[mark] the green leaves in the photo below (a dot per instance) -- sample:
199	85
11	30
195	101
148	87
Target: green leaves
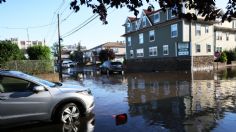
9	51
39	52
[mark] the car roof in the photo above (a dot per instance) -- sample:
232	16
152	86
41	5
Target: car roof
14	73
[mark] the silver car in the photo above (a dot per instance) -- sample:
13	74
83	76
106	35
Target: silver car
27	98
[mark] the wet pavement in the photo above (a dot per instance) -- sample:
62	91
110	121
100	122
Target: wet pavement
153	102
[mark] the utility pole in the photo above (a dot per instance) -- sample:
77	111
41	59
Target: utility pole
59	52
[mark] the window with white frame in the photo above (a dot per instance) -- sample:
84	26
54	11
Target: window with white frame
206	29
165	50
208	48
153	51
131	53
128	27
144	21
227	36
198	48
198	30
140	53
234	37
219	49
173	12
151	35
174	31
141	38
234	24
156	17
129	41
218	35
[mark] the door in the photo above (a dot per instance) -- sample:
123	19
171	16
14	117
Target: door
18	101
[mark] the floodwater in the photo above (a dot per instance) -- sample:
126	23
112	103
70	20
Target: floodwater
153	102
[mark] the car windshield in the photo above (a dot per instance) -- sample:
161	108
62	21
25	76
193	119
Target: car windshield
45	82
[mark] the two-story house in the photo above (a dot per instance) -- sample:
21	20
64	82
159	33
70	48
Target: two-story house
160	41
117	47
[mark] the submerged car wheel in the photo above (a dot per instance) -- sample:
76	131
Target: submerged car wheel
69	113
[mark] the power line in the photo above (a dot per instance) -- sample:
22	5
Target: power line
86	22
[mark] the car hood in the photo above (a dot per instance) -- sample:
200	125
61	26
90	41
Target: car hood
70	87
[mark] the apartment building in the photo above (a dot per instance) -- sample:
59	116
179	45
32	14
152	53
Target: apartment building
24	44
160	41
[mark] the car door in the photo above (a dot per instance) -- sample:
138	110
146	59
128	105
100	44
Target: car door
18	101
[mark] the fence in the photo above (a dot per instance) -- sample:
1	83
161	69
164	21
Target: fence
30	66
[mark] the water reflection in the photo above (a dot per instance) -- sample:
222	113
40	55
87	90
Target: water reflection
85	124
164	101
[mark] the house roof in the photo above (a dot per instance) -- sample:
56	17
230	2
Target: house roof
133	19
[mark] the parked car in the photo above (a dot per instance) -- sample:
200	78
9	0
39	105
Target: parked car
27	98
68	63
109	66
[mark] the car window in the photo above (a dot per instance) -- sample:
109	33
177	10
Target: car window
116	63
11	84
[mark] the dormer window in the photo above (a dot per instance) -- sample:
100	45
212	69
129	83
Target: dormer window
144	21
157	17
128	27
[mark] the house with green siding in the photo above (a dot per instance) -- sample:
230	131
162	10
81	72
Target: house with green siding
161	41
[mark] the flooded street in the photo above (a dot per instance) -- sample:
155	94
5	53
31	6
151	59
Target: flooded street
160	101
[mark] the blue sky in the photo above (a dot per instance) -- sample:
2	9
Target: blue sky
18	15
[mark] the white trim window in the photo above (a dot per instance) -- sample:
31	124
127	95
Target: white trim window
152	35
128	27
131	52
144	21
157	17
218	35
173	12
219	49
141	38
165	50
174	31
153	51
227	36
140	53
206	29
234	37
198	30
234	24
198	48
129	41
208	48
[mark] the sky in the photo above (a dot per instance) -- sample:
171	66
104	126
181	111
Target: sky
37	20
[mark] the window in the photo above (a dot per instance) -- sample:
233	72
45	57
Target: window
183	49
227	36
131	54
165	50
206	29
10	84
219	49
234	24
208	47
157	17
198	48
218	35
141	38
144	21
151	35
198	30
173	12
140	53
174	31
153	51
234	37
128	27
129	41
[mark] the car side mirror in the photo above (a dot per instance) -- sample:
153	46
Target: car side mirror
37	89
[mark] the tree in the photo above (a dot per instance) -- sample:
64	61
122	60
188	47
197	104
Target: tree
77	55
206	8
106	54
39	52
223	57
9	51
